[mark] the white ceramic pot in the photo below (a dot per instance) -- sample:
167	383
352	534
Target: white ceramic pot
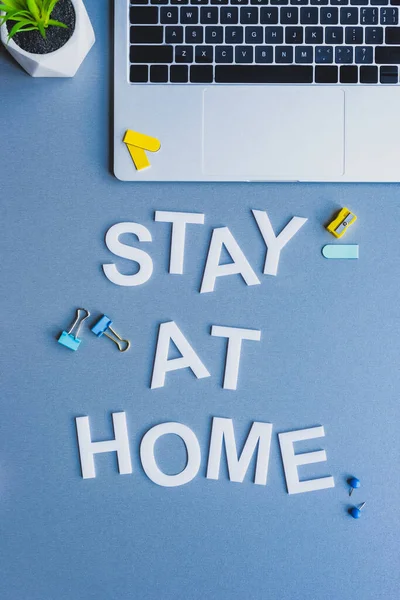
63	62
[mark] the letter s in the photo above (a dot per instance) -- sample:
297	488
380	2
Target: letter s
124	251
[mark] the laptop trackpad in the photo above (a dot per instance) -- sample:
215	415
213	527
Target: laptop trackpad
273	132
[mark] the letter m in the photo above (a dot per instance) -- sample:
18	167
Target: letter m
259	436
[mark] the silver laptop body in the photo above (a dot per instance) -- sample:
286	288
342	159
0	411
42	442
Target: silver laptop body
230	101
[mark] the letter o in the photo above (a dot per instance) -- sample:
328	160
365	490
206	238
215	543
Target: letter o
148	459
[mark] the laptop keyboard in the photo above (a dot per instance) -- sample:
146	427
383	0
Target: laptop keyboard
264	41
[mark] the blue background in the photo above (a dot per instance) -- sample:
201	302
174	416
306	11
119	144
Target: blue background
328	356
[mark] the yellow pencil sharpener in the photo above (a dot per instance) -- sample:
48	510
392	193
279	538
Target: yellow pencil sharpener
341	222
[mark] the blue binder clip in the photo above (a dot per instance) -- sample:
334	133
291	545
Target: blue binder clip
103	326
67	338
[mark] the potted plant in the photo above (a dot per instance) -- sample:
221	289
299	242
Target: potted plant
48	38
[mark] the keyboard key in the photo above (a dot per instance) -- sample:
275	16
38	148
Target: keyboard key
269	16
159	73
189	15
169	16
349	16
151	54
333	35
179	1
387	55
309	16
158	1
147	35
229	16
344	55
369	16
326	74
379	2
203	54
240	2
194	35
289	16
359	2
279	2
329	16
140	2
264	54
283	54
389	16
298	2
304	54
319	2
373	35
369	74
339	2
264	74
244	54
220	2
249	16
224	54
260	2
178	74
144	15
314	35
233	35
392	35
364	55
293	35
274	35
324	54
198	1
174	35
214	35
139	74
184	54
209	15
201	74
389	75
353	35
348	74
254	35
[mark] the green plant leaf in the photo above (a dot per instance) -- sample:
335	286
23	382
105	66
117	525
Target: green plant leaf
42	29
15	4
47	11
45	6
33	7
16	15
57	24
52	5
17	27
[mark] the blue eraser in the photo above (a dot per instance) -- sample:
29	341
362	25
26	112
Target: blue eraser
349	251
69	341
101	326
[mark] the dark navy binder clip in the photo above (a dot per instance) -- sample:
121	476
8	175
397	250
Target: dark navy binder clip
103	327
67	338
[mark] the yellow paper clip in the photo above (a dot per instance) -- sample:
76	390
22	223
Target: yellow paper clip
137	143
341	222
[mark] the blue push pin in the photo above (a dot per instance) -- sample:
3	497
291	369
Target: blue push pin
354	484
356	512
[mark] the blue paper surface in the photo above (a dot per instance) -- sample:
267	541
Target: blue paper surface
329	355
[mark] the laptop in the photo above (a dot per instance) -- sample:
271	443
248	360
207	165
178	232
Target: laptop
258	90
